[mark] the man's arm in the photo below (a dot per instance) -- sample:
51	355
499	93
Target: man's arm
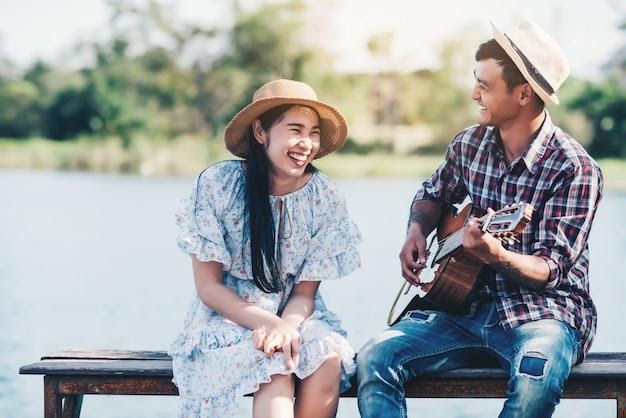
526	270
562	233
425	215
442	188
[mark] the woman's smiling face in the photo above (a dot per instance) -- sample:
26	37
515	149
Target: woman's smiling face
291	142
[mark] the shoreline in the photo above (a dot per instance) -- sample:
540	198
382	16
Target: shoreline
186	156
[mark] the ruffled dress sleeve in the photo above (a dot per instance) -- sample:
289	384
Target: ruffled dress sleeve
332	251
201	229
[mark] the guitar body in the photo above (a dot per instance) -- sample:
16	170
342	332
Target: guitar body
459	270
446	282
451	271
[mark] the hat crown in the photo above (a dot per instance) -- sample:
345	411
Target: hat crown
538	57
284	88
542	52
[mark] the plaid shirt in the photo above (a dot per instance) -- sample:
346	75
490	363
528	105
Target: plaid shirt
564	186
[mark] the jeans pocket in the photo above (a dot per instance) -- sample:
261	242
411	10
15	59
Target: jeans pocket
423	317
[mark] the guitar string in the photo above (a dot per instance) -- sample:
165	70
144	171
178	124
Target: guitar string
453	240
461	230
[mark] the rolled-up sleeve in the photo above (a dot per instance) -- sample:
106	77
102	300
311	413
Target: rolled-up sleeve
565	222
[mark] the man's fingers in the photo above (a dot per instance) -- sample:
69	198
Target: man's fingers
409	274
421	252
407	257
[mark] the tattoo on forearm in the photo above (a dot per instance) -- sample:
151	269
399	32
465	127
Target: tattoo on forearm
530	277
417	215
508	270
424	213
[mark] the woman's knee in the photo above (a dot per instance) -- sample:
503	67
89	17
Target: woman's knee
327	376
280	385
333	363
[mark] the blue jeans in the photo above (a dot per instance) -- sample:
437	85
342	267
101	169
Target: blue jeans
538	356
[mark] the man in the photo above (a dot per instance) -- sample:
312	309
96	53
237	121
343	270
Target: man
531	309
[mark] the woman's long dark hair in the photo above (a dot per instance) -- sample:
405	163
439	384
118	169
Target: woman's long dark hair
262	230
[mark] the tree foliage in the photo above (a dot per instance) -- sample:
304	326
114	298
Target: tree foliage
161	77
605	105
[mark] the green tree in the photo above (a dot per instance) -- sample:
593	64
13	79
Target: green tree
605	105
19	109
69	114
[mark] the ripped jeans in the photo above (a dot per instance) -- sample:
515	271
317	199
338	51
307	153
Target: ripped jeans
538	356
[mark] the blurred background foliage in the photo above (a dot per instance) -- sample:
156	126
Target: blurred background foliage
157	94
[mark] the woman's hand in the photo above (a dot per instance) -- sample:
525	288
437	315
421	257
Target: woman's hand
258	337
281	337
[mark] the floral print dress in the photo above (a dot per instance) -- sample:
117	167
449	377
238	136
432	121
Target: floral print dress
214	360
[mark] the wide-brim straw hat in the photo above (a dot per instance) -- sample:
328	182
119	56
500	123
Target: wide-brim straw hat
333	127
540	60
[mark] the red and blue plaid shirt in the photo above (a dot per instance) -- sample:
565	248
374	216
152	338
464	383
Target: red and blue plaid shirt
564	185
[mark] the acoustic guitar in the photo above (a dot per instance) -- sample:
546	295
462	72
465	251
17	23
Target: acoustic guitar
451	272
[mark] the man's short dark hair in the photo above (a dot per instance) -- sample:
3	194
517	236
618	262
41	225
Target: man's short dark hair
510	73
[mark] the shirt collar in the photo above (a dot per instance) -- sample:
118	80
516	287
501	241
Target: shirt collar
535	150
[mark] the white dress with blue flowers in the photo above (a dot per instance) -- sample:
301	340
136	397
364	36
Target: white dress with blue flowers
214	360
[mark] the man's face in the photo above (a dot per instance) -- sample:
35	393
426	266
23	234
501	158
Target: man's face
498	107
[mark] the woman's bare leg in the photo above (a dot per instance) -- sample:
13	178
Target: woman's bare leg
318	394
274	399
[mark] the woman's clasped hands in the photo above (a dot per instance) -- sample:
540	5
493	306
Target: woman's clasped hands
281	337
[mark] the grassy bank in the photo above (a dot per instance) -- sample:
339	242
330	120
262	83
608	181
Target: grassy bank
189	155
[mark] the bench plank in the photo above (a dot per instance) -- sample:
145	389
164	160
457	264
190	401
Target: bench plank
70	374
108	355
100	367
145	363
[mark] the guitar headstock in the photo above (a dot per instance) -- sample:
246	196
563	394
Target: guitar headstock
508	221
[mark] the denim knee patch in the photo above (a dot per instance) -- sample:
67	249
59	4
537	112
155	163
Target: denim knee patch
420	316
533	364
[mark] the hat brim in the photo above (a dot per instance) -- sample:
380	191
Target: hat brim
506	45
333	127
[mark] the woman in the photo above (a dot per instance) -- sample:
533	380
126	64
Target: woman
262	234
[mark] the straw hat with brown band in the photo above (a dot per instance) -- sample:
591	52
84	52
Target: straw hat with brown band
538	57
333	128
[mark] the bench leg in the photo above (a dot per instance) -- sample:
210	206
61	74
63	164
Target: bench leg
72	405
51	397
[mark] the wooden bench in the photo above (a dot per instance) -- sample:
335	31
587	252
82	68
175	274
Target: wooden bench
70	374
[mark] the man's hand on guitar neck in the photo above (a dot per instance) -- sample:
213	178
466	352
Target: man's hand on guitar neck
481	244
526	270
